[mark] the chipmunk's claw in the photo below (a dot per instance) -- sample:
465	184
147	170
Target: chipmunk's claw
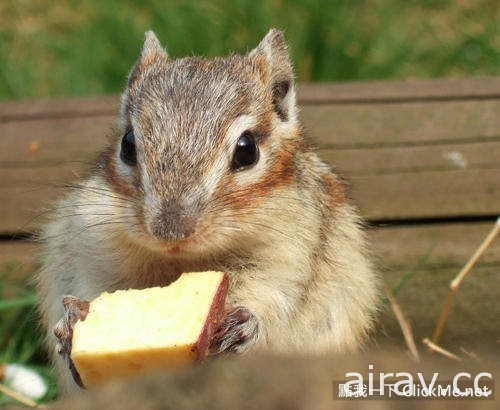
75	309
236	333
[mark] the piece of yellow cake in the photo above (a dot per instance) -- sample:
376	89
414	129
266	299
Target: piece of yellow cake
133	331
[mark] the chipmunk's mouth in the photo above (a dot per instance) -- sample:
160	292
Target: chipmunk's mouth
179	247
199	239
195	243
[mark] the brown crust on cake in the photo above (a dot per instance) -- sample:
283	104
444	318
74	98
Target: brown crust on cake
214	317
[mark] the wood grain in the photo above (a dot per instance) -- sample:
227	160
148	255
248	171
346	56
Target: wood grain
58	108
431	194
316	93
429	257
443	245
409	149
400	91
330	127
51	141
396	125
411	160
473	321
18	260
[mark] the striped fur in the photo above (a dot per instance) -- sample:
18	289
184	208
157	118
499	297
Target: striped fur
284	231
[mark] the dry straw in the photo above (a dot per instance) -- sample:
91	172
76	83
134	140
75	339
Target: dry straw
455	283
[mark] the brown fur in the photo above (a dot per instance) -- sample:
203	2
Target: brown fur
282	173
282	229
335	190
107	167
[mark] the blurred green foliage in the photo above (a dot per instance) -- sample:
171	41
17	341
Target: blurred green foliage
76	47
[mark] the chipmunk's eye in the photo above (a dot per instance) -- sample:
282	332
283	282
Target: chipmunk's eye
127	152
246	153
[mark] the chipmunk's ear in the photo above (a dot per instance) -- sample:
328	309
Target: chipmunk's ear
272	58
152	46
152	52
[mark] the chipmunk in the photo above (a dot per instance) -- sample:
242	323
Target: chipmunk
208	168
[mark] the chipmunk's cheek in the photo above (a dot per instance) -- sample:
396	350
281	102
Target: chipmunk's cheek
257	185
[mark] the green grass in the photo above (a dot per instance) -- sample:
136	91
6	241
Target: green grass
21	337
87	47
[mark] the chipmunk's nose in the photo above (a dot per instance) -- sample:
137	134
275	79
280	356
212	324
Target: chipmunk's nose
173	222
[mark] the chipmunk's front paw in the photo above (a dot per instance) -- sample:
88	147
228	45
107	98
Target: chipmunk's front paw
236	333
74	310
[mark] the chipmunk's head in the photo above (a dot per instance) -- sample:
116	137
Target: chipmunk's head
204	142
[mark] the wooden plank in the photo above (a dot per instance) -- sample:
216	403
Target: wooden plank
338	125
44	169
399	91
444	245
430	194
43	176
473	321
387	183
409	159
18	261
54	108
23	209
366	91
27	143
435	254
393	125
331	127
60	148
